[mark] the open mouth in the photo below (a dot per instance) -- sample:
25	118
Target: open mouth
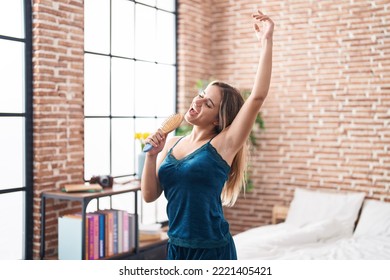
193	111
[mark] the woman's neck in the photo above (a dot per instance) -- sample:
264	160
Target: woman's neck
200	135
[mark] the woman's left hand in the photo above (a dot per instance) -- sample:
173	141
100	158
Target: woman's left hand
267	29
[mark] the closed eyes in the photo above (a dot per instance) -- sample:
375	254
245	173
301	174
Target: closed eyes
209	102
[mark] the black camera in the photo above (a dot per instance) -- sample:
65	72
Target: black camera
106	181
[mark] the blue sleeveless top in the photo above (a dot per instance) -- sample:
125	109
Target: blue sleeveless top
193	187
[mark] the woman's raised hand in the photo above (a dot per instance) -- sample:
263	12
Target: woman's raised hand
267	27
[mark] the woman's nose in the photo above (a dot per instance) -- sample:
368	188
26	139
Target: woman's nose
199	101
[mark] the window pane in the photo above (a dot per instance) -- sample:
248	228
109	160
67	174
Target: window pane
97	147
11	18
122	147
12	153
145	33
97	26
168	5
122	28
166	38
12	226
11	77
144	125
96	85
145	89
122	87
161	209
124	202
148	214
154	89
165	96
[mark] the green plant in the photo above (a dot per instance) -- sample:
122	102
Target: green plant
184	129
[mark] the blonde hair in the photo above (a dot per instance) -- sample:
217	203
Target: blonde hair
231	104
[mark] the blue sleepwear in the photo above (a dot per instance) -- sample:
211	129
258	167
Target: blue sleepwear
193	186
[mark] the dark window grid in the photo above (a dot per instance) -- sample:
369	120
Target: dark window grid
110	117
13	115
110	55
154	6
23	40
28	118
29	132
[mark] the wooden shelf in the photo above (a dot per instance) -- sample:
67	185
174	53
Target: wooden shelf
85	198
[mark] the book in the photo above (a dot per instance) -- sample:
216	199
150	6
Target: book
115	231
95	244
90	237
132	236
69	237
82	188
120	231
126	240
108	231
102	235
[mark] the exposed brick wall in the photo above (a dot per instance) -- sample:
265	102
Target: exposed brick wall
327	114
58	54
194	59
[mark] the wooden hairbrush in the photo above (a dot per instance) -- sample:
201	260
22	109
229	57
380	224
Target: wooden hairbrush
169	125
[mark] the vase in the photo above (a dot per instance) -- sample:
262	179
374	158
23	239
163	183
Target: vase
140	164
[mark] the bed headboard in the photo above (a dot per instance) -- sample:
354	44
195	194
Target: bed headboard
279	213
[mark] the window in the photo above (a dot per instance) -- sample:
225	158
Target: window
15	127
129	85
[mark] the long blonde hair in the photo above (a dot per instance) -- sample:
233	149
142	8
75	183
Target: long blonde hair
231	104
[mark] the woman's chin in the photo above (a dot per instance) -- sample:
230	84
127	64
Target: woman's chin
188	117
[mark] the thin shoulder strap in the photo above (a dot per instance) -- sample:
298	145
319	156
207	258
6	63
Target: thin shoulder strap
176	143
212	138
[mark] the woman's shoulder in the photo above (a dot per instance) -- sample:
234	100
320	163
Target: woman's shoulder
223	145
172	141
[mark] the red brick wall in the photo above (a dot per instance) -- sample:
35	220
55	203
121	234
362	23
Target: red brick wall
194	41
327	114
58	55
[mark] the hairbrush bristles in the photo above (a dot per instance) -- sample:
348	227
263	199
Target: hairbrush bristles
169	125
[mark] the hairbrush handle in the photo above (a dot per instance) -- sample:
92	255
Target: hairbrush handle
147	147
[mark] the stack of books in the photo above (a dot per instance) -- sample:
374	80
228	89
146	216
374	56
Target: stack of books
108	232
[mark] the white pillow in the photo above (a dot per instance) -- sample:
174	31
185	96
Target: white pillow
374	219
311	206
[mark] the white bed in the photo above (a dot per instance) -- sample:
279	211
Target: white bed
321	225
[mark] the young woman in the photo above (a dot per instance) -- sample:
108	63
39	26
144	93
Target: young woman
203	171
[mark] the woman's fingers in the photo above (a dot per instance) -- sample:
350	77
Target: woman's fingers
267	28
261	17
156	139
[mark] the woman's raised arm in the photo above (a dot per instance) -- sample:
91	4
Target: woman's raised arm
240	129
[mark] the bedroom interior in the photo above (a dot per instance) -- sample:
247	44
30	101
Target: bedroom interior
321	166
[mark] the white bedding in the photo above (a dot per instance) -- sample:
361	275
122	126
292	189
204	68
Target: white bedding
283	242
320	226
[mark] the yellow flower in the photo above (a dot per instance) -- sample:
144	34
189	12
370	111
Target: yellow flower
141	136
